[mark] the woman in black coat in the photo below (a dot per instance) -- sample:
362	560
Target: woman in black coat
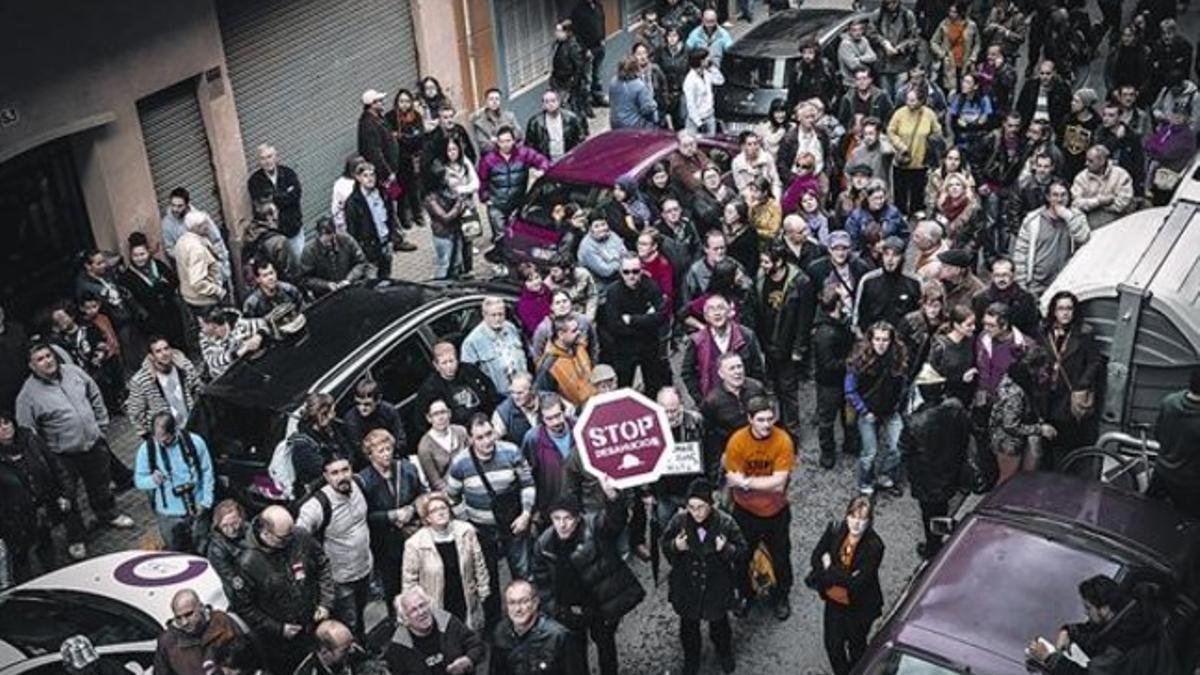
1071	403
155	291
390	485
845	572
703	546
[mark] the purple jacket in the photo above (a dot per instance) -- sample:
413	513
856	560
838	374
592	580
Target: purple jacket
532	308
993	359
502	182
1170	146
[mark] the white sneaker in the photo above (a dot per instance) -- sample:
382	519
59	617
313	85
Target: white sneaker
77	551
886	482
121	522
866	490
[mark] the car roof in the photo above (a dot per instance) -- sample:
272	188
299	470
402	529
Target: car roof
1145	526
602	159
143	579
781	34
1012	569
335	326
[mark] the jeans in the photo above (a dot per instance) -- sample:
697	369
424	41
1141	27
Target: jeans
497	219
871	429
296	246
708	126
184	534
689	632
746	9
596	84
448	256
515	550
349	599
889	81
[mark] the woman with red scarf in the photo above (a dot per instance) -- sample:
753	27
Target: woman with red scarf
958	212
409	129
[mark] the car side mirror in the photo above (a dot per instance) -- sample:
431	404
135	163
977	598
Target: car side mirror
942	526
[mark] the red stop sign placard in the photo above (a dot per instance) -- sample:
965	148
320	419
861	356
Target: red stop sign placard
625	436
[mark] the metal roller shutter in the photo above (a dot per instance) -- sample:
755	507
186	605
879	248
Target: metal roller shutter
177	146
299	68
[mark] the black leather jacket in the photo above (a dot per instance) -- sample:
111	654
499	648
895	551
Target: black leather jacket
547	647
282	586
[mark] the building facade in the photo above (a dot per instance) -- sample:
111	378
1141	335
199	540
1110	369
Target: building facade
107	107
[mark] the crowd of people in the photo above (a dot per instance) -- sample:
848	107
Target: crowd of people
843	247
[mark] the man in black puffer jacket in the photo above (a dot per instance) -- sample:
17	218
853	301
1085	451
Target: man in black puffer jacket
581	578
933	446
831	345
887	293
528	642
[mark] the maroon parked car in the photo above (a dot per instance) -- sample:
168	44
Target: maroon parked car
1012	568
586	176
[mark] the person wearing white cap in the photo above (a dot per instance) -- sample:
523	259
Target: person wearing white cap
375	140
933	448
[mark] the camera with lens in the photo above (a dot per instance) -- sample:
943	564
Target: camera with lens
186	492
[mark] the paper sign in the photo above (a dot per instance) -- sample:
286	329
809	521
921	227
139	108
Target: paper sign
684	459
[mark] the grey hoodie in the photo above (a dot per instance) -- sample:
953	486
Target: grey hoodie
68	411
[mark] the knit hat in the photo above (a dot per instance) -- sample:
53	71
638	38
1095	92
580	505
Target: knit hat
701	489
565	503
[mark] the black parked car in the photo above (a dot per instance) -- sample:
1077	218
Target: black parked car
383	328
760	64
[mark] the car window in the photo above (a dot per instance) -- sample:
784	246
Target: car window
401	371
903	663
830	50
546	193
38	623
748	71
110	662
453	326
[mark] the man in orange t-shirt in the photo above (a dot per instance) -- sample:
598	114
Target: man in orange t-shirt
758	464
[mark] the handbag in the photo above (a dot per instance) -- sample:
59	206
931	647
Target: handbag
393	190
1166	180
1083	401
506	508
472	228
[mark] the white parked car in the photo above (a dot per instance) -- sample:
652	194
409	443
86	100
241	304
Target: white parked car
121	601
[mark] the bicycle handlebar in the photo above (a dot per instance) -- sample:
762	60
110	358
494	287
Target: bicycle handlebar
1122	439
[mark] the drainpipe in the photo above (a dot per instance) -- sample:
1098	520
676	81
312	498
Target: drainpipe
470	44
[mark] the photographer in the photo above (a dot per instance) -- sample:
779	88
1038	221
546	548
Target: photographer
176	470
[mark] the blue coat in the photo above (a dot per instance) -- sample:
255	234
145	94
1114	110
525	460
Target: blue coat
178	472
631	104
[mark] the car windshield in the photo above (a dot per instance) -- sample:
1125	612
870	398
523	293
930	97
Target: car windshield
546	193
37	622
747	71
236	431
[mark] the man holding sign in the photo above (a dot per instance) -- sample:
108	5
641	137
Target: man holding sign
758	464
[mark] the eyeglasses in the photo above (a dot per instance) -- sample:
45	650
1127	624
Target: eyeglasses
631	273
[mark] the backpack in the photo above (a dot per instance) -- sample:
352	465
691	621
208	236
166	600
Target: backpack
322	499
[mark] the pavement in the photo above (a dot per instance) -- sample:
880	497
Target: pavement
648	639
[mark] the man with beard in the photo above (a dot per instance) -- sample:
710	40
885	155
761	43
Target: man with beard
815	77
463	386
840	270
581	579
270	292
284	587
887	293
566	367
193	636
548	446
1022	306
787	302
336	515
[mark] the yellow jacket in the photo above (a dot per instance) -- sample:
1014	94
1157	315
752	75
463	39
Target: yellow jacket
910	130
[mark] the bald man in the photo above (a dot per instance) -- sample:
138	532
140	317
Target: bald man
336	652
285	587
429	639
193	635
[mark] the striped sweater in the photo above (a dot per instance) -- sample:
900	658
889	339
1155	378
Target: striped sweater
506	471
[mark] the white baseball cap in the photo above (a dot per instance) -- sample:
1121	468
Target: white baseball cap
370	96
